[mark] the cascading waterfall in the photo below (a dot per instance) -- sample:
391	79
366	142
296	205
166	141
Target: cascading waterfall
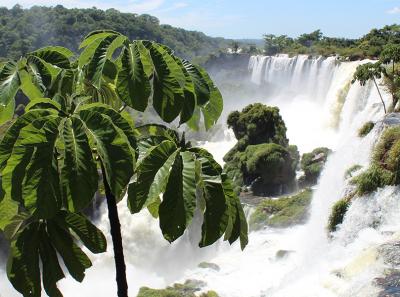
321	108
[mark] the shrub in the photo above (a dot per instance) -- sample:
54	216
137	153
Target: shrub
187	289
375	177
365	129
313	163
350	171
339	210
272	164
387	151
259	123
282	212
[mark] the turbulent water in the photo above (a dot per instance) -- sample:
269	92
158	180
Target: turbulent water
321	108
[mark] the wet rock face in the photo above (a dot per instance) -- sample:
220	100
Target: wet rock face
391	254
390	282
312	164
392	119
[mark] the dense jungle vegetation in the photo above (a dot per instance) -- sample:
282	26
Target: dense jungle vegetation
315	43
25	30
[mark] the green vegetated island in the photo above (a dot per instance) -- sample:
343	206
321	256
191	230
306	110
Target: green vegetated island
113	73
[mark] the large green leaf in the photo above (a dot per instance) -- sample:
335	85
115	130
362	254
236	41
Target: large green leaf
40	71
152	175
51	270
28	86
43	104
213	109
168	83
179	200
41	188
237	224
16	165
133	85
8	210
189	104
113	148
79	178
98	66
63	84
91	237
55	55
23	263
201	85
117	119
7	112
215	216
12	134
74	258
9	82
96	35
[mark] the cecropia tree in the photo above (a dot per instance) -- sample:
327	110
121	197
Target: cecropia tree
75	132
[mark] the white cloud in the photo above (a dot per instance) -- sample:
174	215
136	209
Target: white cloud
142	6
394	10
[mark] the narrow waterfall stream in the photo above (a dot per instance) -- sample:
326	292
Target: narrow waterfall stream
320	107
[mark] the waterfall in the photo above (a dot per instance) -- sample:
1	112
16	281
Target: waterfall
321	108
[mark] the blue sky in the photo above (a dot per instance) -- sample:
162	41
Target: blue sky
253	18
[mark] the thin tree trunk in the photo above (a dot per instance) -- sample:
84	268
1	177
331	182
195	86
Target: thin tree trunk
380	95
116	238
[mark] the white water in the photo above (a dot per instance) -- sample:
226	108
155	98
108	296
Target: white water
320	108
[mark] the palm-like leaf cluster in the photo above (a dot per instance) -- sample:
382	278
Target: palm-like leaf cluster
50	158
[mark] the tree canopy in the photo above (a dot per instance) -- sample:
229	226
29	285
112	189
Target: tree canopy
24	30
315	43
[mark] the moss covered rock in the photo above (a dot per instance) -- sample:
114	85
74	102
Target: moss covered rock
336	217
312	164
187	289
262	157
365	129
373	178
350	172
270	166
384	169
282	212
258	123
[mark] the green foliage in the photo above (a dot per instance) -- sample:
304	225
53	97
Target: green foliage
390	53
338	212
387	151
373	178
350	171
258	123
312	164
172	167
49	156
366	128
270	161
44	240
187	289
368	71
262	152
315	43
282	212
23	30
385	164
